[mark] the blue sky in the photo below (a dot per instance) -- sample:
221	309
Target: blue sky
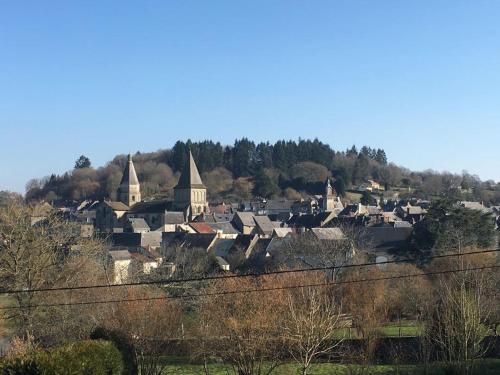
420	79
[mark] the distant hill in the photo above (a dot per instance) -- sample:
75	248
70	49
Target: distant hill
286	168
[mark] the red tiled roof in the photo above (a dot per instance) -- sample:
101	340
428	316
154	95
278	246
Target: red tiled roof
201	228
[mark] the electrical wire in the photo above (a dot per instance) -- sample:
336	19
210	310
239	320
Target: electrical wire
257	290
222	277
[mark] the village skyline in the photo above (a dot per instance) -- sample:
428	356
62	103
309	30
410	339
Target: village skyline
66	165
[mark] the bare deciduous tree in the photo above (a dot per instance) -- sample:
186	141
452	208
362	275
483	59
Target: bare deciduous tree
149	325
242	329
313	321
457	324
366	304
39	249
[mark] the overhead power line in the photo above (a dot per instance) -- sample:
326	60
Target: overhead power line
257	274
256	290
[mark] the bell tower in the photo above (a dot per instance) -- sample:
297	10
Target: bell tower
129	191
328	197
190	192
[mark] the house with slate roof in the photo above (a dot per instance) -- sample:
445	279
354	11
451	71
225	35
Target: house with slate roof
136	225
412	214
224	230
264	226
244	222
110	215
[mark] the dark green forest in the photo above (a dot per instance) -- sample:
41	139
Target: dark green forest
291	169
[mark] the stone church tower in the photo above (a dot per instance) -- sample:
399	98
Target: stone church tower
190	194
329	199
129	191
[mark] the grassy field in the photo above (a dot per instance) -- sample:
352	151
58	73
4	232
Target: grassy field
489	367
404	329
353	197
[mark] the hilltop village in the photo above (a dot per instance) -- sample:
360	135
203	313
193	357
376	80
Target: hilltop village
244	235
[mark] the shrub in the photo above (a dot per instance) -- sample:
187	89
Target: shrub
123	344
20	366
85	357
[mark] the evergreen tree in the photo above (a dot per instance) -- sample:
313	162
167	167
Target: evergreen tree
280	157
353	151
265	155
264	186
244	158
365	151
179	155
448	226
381	157
339	186
367	199
360	172
82	162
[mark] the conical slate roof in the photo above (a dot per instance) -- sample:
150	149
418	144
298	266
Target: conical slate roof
190	177
129	176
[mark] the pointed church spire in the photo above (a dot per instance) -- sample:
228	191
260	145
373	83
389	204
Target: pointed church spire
129	191
190	194
129	176
328	187
190	177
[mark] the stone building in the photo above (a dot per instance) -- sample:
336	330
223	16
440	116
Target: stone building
110	215
190	200
190	194
328	197
129	191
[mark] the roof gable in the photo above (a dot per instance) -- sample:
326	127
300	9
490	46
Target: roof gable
117	206
246	218
201	227
264	224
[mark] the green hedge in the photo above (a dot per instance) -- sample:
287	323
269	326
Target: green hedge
123	344
85	357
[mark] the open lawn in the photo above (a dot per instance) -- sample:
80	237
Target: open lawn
405	329
488	367
353	197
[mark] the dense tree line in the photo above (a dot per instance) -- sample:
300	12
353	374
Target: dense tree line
245	169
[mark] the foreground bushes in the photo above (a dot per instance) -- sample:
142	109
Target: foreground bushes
85	357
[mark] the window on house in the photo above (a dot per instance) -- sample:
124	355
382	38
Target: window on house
133	198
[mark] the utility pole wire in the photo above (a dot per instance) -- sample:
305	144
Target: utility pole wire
84	303
223	277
